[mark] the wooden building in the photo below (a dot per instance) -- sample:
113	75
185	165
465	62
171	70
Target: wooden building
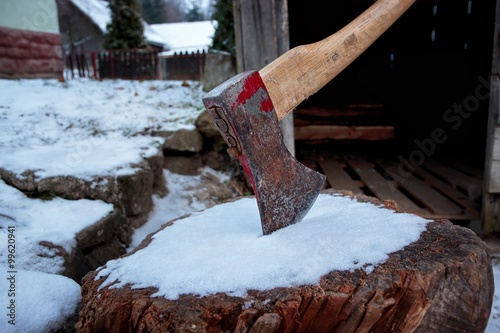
414	119
83	25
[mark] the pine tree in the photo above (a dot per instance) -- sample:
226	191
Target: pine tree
153	11
125	31
224	38
194	14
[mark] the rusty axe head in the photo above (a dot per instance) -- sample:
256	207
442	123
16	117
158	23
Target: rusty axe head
243	112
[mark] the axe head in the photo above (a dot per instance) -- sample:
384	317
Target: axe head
243	112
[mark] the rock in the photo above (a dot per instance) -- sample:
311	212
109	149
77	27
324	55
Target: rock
207	128
103	188
213	191
131	196
102	241
156	164
26	181
182	140
184	165
74	263
218	161
442	282
136	192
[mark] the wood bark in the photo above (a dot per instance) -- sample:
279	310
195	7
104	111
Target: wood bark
441	283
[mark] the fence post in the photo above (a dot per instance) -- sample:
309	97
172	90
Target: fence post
70	61
78	65
94	67
112	64
85	67
201	63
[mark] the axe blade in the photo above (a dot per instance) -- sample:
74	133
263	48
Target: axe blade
244	114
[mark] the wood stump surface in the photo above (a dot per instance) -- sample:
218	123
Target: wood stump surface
441	283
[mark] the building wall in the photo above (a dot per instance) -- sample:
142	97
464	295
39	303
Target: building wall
39	15
78	32
30	44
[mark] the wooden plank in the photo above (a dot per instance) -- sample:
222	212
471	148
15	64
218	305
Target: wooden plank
318	113
473	186
383	188
494	183
371	115
310	164
466	216
429	197
457	196
491	207
495	154
494	172
473	171
491	214
333	132
338	178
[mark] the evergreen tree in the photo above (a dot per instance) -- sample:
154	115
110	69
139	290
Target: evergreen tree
153	11
224	38
125	31
194	14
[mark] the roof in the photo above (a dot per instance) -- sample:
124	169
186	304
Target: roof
98	11
186	36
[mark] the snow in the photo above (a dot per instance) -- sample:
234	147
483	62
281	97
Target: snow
180	200
186	36
222	248
86	127
79	128
56	221
494	322
41	305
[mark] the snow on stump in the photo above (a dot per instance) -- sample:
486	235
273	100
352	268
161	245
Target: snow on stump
354	264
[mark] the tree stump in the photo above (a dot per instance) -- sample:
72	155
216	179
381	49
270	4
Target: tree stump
442	282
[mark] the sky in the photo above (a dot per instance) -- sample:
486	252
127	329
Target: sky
83	128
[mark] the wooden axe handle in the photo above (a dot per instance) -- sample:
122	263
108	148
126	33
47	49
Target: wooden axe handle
305	69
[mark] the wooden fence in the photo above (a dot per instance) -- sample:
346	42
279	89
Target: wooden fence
182	66
127	64
136	65
79	65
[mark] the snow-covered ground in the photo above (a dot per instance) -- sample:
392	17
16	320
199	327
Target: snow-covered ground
84	128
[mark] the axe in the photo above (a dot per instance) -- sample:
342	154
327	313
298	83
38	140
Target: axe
248	107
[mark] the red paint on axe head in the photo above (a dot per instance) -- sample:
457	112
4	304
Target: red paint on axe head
251	86
248	170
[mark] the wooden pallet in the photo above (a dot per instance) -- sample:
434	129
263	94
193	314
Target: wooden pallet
433	190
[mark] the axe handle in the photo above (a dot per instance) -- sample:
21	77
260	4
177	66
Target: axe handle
305	69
